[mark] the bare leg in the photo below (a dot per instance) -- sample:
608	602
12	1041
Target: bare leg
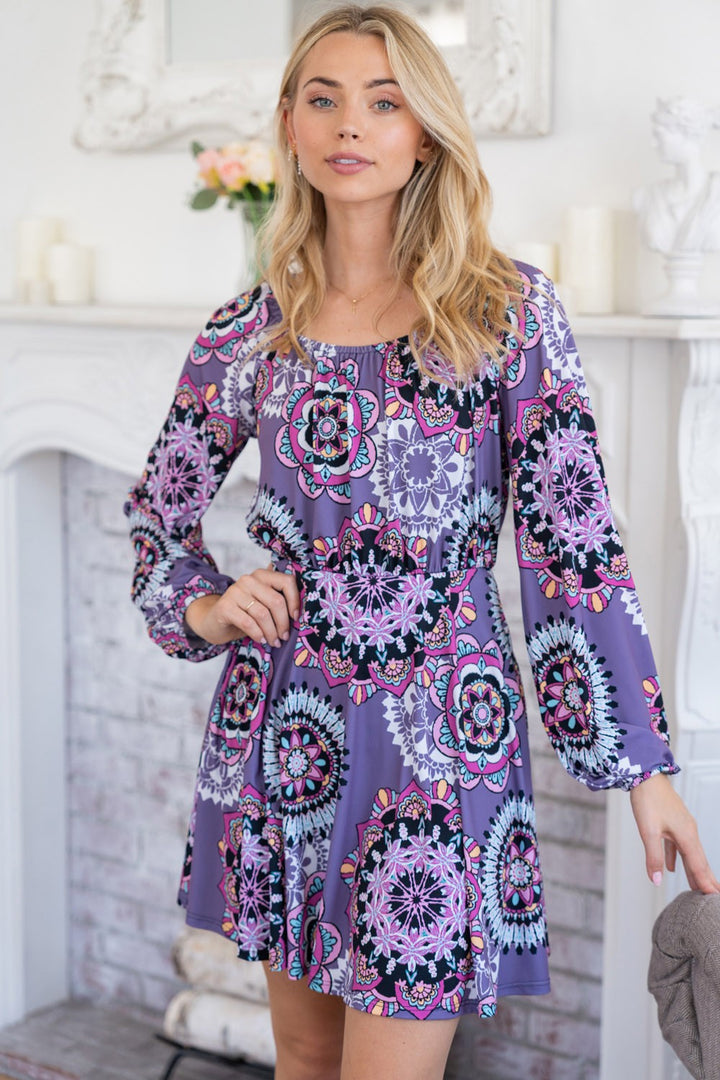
308	1029
382	1046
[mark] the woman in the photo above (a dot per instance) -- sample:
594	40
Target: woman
363	822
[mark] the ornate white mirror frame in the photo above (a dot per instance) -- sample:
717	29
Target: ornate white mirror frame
134	100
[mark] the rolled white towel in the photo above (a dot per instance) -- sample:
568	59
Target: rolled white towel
208	960
221	1024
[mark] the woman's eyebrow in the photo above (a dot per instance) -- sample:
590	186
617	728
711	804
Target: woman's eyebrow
336	85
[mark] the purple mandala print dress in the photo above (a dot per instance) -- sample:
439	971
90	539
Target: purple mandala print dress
363	812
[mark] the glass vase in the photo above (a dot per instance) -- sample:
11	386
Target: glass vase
252	214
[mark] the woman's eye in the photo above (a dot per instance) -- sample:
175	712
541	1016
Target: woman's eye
385	105
321	101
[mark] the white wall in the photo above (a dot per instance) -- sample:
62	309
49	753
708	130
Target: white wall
611	61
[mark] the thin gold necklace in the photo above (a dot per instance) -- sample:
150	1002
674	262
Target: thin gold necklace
357	300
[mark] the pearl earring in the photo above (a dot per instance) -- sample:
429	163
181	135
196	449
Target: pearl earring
292	153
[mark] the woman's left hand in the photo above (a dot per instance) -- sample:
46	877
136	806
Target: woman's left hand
666	826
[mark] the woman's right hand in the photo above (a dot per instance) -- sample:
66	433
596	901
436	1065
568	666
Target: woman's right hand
259	605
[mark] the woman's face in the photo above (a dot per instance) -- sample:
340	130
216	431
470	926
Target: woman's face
356	138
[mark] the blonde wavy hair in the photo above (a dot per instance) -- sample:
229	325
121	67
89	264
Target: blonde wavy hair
463	285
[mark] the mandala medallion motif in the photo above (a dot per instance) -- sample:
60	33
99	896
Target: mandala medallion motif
575	698
511	880
235	720
252	856
656	708
303	760
372	614
479	708
325	437
414	904
564	525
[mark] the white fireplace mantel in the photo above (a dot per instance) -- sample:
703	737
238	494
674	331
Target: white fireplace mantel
97	381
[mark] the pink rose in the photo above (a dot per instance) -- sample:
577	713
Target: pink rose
207	161
232	172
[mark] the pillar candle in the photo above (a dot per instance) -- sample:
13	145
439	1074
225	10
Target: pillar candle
587	257
34	238
36	292
70	273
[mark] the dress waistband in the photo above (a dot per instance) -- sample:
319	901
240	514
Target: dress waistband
368	573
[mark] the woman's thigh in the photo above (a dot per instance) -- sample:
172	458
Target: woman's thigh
381	1046
308	1029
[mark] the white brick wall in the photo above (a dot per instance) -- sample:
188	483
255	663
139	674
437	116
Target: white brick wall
135	720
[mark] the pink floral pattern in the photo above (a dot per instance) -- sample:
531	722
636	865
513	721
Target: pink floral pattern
325	435
479	708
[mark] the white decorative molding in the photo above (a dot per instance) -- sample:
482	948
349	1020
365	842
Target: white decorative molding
698	449
134	100
33	806
641	328
13	1005
96	391
631	328
700	787
505	70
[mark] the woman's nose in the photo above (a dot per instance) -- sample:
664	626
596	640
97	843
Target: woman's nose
349	125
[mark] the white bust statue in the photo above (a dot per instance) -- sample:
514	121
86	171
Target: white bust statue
680	215
682	212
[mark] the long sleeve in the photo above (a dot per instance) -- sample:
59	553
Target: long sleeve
593	667
211	418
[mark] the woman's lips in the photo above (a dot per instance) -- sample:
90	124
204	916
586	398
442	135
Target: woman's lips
347	164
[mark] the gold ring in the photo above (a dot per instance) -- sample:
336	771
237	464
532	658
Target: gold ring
249	605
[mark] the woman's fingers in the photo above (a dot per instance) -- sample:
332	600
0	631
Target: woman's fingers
670	855
259	605
666	827
278	594
266	601
697	868
654	860
686	840
289	588
244	611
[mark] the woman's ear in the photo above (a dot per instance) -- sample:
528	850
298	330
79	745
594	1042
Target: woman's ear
426	147
289	127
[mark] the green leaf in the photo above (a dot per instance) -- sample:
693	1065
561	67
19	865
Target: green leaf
204	199
196	148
